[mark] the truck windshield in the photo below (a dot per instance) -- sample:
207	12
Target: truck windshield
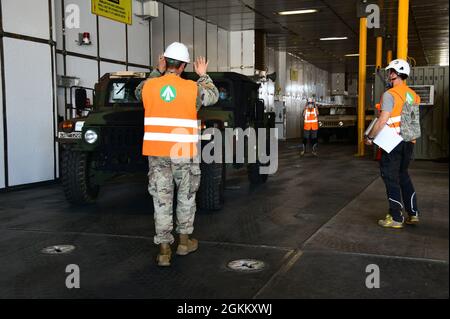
225	94
337	111
122	92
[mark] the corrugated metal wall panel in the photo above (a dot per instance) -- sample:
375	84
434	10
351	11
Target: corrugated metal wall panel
434	119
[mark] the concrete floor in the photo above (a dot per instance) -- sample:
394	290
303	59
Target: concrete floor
313	223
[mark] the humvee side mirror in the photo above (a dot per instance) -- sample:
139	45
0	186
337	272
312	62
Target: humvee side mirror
80	98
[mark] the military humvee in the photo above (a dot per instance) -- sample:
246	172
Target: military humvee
341	120
107	142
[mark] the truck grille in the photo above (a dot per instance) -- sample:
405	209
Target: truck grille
122	137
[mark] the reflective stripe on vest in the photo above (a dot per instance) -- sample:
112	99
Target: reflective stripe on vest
171	128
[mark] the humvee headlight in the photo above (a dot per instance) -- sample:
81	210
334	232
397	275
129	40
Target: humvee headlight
90	137
341	123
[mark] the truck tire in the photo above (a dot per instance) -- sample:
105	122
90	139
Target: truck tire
78	188
254	176
210	195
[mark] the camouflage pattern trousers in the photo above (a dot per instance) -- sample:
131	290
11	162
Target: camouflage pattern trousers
164	177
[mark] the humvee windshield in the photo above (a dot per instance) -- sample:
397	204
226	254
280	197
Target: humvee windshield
225	94
122	92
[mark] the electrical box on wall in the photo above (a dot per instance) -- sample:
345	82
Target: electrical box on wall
426	93
146	9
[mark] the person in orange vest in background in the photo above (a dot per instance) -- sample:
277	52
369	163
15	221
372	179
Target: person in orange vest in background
394	165
170	142
310	126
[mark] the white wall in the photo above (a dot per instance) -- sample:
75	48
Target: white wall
110	51
212	52
88	23
171	26
223	57
157	28
139	42
199	37
187	35
29	94
2	154
29	112
27	17
242	52
112	39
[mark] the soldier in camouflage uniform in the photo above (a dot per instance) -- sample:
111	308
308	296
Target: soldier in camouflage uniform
164	170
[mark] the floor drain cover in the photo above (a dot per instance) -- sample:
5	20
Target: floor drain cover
246	265
58	249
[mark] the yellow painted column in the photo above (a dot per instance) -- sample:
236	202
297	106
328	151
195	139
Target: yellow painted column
379	60
389	56
362	84
402	33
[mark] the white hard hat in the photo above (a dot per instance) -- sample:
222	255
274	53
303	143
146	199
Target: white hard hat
310	100
400	66
177	51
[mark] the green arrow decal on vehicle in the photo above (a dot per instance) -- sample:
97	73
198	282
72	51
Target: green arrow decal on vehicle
168	93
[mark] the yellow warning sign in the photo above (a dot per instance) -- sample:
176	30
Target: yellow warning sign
294	75
117	10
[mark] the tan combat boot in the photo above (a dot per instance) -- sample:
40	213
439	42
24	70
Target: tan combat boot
186	245
164	256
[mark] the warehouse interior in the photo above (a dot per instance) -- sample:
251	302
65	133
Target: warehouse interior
312	224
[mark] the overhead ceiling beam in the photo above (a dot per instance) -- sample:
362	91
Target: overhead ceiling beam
339	17
310	42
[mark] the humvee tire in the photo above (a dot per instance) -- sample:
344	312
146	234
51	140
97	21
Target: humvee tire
254	175
212	184
75	178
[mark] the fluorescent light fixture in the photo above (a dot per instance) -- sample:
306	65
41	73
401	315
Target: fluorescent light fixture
303	11
333	38
353	54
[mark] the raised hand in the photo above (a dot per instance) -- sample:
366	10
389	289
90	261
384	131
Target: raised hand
162	64
201	66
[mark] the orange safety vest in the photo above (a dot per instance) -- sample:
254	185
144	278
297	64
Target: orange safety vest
311	120
400	92
171	128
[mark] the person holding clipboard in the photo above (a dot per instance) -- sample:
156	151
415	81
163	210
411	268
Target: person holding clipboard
397	146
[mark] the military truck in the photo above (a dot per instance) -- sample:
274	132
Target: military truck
340	119
107	142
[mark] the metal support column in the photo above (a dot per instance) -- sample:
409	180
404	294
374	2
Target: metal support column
362	84
379	60
389	56
402	33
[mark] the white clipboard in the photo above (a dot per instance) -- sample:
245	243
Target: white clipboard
388	138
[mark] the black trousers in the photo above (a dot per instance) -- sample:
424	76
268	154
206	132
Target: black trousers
310	135
394	171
